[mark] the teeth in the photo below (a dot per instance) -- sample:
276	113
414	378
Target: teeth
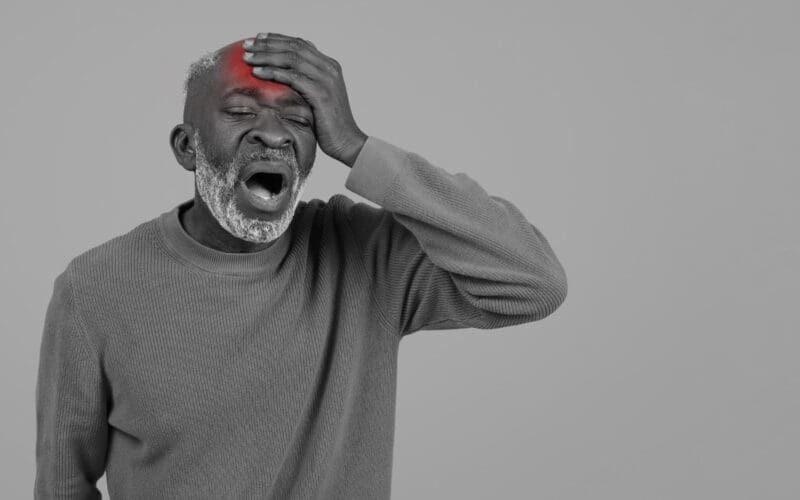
262	192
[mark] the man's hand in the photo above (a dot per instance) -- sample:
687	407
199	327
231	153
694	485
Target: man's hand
316	77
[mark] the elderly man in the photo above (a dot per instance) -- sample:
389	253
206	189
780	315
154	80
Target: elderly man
244	343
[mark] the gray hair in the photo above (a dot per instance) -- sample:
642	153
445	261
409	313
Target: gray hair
199	68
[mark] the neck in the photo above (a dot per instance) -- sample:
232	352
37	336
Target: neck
200	224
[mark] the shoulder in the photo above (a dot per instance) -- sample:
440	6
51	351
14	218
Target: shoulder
340	211
357	213
349	223
114	257
93	281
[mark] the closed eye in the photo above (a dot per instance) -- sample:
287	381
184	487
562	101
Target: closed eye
301	121
245	112
239	111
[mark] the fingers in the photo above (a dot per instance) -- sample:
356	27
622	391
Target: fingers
292	66
294	79
303	40
265	43
266	36
284	59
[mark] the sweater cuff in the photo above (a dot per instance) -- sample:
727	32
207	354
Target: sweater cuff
375	168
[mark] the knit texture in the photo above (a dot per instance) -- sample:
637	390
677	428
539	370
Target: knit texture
186	372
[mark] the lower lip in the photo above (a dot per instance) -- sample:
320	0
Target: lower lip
274	204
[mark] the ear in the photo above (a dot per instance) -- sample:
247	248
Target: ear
182	143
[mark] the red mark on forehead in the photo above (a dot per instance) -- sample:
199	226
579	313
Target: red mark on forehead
239	73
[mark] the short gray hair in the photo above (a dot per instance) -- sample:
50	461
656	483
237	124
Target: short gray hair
199	68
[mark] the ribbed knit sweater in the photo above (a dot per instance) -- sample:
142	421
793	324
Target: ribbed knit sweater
185	372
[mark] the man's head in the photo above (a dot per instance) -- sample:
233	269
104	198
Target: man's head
236	128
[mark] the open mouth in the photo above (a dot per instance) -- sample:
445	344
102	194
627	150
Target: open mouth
266	184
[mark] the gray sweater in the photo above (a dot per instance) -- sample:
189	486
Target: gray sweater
186	372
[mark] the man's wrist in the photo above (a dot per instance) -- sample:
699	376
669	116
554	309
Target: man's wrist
349	156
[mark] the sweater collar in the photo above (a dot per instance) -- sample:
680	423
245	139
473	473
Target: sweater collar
186	248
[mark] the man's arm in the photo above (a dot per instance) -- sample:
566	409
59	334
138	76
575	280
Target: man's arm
71	399
442	252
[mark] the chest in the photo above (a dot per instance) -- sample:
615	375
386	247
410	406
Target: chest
226	356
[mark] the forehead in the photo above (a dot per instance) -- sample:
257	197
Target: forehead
234	78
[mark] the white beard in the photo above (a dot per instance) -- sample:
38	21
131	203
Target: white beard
217	187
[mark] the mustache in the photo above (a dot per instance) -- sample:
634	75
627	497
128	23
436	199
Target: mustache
285	154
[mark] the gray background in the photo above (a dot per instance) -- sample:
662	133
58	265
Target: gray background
655	144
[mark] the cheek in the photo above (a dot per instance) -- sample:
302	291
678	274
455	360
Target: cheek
218	151
238	72
307	163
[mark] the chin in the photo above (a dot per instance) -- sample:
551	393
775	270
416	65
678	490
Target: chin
256	226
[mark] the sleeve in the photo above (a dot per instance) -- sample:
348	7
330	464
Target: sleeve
71	398
442	252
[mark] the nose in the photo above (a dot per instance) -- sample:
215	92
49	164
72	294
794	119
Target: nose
270	132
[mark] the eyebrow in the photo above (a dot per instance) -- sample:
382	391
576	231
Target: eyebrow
290	99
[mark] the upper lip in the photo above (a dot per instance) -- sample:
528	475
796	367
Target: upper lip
268	167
